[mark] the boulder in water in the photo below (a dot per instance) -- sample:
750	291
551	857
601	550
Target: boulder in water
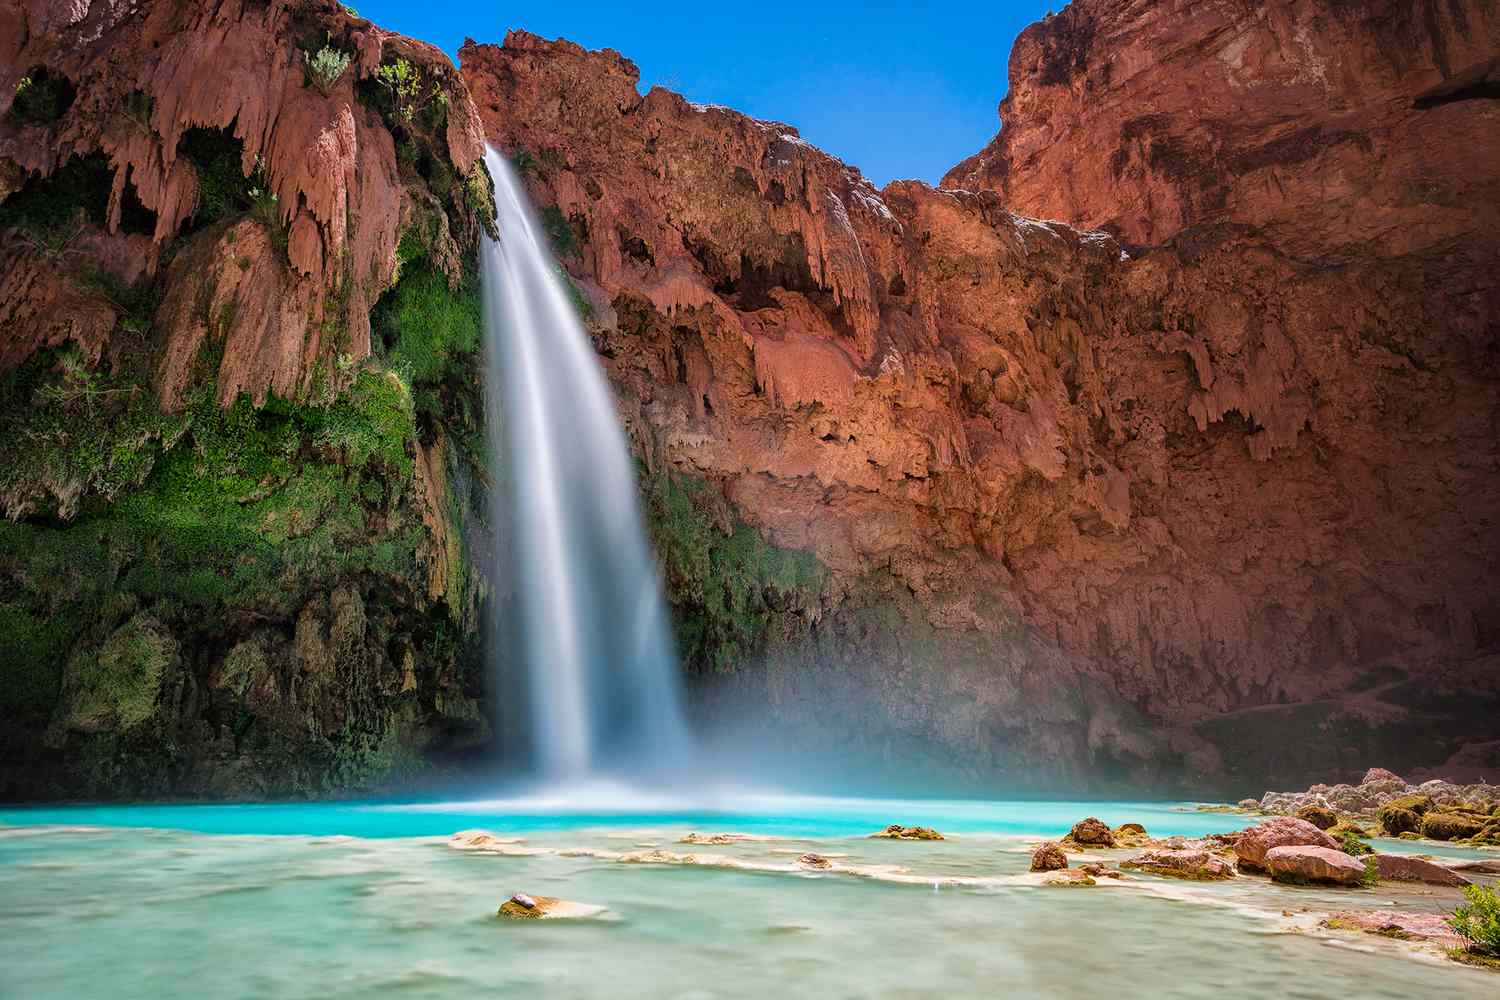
526	907
1092	832
1450	825
1097	870
898	832
811	860
1201	866
1410	868
1131	835
1303	864
1279	831
1048	857
1068	877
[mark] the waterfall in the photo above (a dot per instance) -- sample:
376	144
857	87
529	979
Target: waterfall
592	632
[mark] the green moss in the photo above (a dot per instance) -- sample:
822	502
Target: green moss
1351	843
561	232
430	329
729	587
1398	820
115	687
1450	826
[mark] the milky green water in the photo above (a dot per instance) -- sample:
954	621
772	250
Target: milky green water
373	901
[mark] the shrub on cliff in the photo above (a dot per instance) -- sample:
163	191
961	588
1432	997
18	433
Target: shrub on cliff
1477	920
326	67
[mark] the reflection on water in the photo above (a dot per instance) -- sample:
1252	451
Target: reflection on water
89	911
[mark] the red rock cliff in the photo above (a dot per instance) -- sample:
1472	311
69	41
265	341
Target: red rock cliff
1250	497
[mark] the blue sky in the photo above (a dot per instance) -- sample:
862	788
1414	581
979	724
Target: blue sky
898	90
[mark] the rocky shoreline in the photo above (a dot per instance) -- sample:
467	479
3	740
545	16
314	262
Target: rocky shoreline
1299	846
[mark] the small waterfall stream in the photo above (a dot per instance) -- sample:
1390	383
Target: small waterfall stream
593	633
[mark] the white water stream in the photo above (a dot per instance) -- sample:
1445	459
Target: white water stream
594	637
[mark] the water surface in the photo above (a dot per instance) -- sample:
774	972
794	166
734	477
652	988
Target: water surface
370	900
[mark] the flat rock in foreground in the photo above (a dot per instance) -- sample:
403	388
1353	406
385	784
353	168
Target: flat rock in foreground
1314	864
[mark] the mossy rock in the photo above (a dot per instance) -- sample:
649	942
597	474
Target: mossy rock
1319	816
1450	826
1346	826
1418	804
1409	835
114	688
1397	820
898	832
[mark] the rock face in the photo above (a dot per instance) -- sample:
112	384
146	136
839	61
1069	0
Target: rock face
1334	129
1314	864
230	563
1253	844
1197	487
1196	865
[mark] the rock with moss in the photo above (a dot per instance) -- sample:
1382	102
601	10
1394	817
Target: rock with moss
1091	832
1068	878
1131	835
1200	866
1048	857
114	687
522	906
1321	817
1402	815
898	832
1305	865
1450	825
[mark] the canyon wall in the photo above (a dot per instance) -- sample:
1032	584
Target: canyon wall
237	312
1216	511
1195	488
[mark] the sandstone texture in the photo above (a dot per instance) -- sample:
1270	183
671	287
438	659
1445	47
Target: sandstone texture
1196	486
1196	865
1253	844
1314	864
1406	868
230	562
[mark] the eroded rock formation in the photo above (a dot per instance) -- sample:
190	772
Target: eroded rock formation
230	561
1209	506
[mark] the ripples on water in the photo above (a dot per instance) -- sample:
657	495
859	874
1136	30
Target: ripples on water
263	908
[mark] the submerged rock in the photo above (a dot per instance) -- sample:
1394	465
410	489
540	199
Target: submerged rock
1093	832
811	860
1252	844
713	839
1301	863
1409	868
898	832
1390	923
1068	877
1197	865
1048	857
525	907
1131	835
1098	870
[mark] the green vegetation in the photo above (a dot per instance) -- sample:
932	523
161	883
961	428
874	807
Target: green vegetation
732	591
51	213
1477	920
224	189
115	686
1404	814
560	233
411	90
430	333
1352	843
326	67
42	97
1371	878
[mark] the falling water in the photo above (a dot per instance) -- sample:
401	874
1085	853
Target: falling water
593	635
